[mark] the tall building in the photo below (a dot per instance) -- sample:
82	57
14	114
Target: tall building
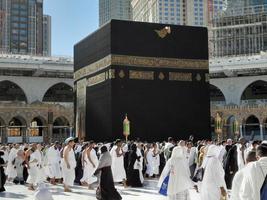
114	9
240	30
245	3
4	28
2	17
233	6
215	7
47	35
184	12
21	25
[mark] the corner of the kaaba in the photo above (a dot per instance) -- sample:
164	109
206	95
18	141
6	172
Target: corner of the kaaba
157	74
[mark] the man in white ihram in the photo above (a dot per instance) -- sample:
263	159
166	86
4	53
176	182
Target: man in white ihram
117	167
53	156
68	164
10	171
254	176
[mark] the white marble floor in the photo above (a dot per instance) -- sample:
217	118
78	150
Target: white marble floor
149	192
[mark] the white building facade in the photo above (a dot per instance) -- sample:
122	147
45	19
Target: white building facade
238	93
36	98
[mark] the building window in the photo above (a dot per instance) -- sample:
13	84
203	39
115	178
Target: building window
15	31
23	7
15	6
15	25
21	25
14	37
15	12
15	18
23	19
23	32
23	13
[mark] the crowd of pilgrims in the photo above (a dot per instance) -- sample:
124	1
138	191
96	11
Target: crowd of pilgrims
226	170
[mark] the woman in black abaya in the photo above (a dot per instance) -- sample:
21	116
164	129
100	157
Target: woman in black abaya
2	173
133	176
106	189
79	167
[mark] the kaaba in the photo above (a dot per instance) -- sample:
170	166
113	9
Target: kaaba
157	74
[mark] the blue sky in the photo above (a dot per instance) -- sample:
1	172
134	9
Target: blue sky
72	20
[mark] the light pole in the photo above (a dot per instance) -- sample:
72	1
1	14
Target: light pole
126	127
218	127
261	131
236	129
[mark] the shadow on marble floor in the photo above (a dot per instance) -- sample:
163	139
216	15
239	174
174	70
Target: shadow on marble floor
140	191
13	195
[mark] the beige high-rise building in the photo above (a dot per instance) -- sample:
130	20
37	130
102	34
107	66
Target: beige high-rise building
114	9
184	12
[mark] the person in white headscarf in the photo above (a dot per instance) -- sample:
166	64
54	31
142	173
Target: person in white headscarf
10	170
32	165
19	163
40	163
179	176
213	186
149	161
155	159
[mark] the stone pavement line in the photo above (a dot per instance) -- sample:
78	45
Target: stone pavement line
149	192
